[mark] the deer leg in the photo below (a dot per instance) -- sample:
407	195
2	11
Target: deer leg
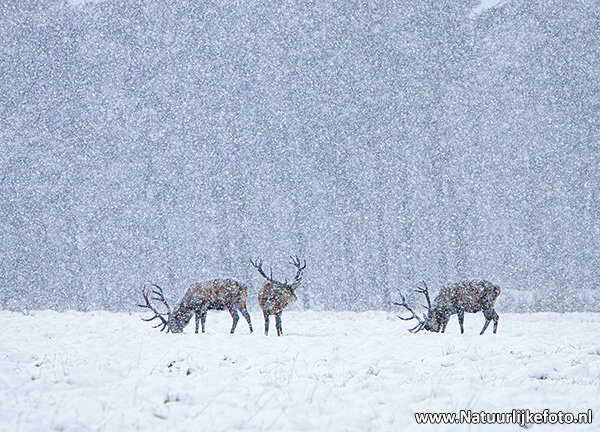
246	315
266	315
445	323
235	317
202	318
488	314
495	318
461	321
197	314
278	324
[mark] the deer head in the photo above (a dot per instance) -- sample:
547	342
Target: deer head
431	321
173	321
289	288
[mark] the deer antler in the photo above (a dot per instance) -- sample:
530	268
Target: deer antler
419	326
164	323
296	263
425	290
258	265
161	297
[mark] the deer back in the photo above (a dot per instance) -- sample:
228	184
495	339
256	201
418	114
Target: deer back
470	296
217	294
274	298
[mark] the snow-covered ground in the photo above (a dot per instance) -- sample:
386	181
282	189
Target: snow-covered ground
331	371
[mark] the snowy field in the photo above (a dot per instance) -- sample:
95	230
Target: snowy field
331	371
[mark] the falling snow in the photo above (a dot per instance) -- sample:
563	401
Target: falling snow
384	142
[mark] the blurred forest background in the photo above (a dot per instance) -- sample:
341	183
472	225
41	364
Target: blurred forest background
385	142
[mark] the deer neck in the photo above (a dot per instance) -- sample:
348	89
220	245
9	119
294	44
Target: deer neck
288	294
180	318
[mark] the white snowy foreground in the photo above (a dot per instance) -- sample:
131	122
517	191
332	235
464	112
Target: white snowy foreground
330	372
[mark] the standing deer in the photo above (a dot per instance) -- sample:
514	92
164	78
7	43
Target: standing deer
218	294
456	298
274	296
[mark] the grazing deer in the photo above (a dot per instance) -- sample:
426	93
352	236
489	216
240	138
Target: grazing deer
218	294
274	296
456	298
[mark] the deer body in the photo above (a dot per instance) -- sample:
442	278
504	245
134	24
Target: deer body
273	300
217	294
461	297
275	296
458	298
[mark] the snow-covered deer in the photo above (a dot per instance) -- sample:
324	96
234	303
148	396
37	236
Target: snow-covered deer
218	294
456	298
274	296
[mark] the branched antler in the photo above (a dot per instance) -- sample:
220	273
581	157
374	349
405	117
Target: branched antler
258	265
403	304
160	297
164	322
425	290
296	263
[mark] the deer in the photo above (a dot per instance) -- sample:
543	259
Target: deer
455	298
275	296
218	294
